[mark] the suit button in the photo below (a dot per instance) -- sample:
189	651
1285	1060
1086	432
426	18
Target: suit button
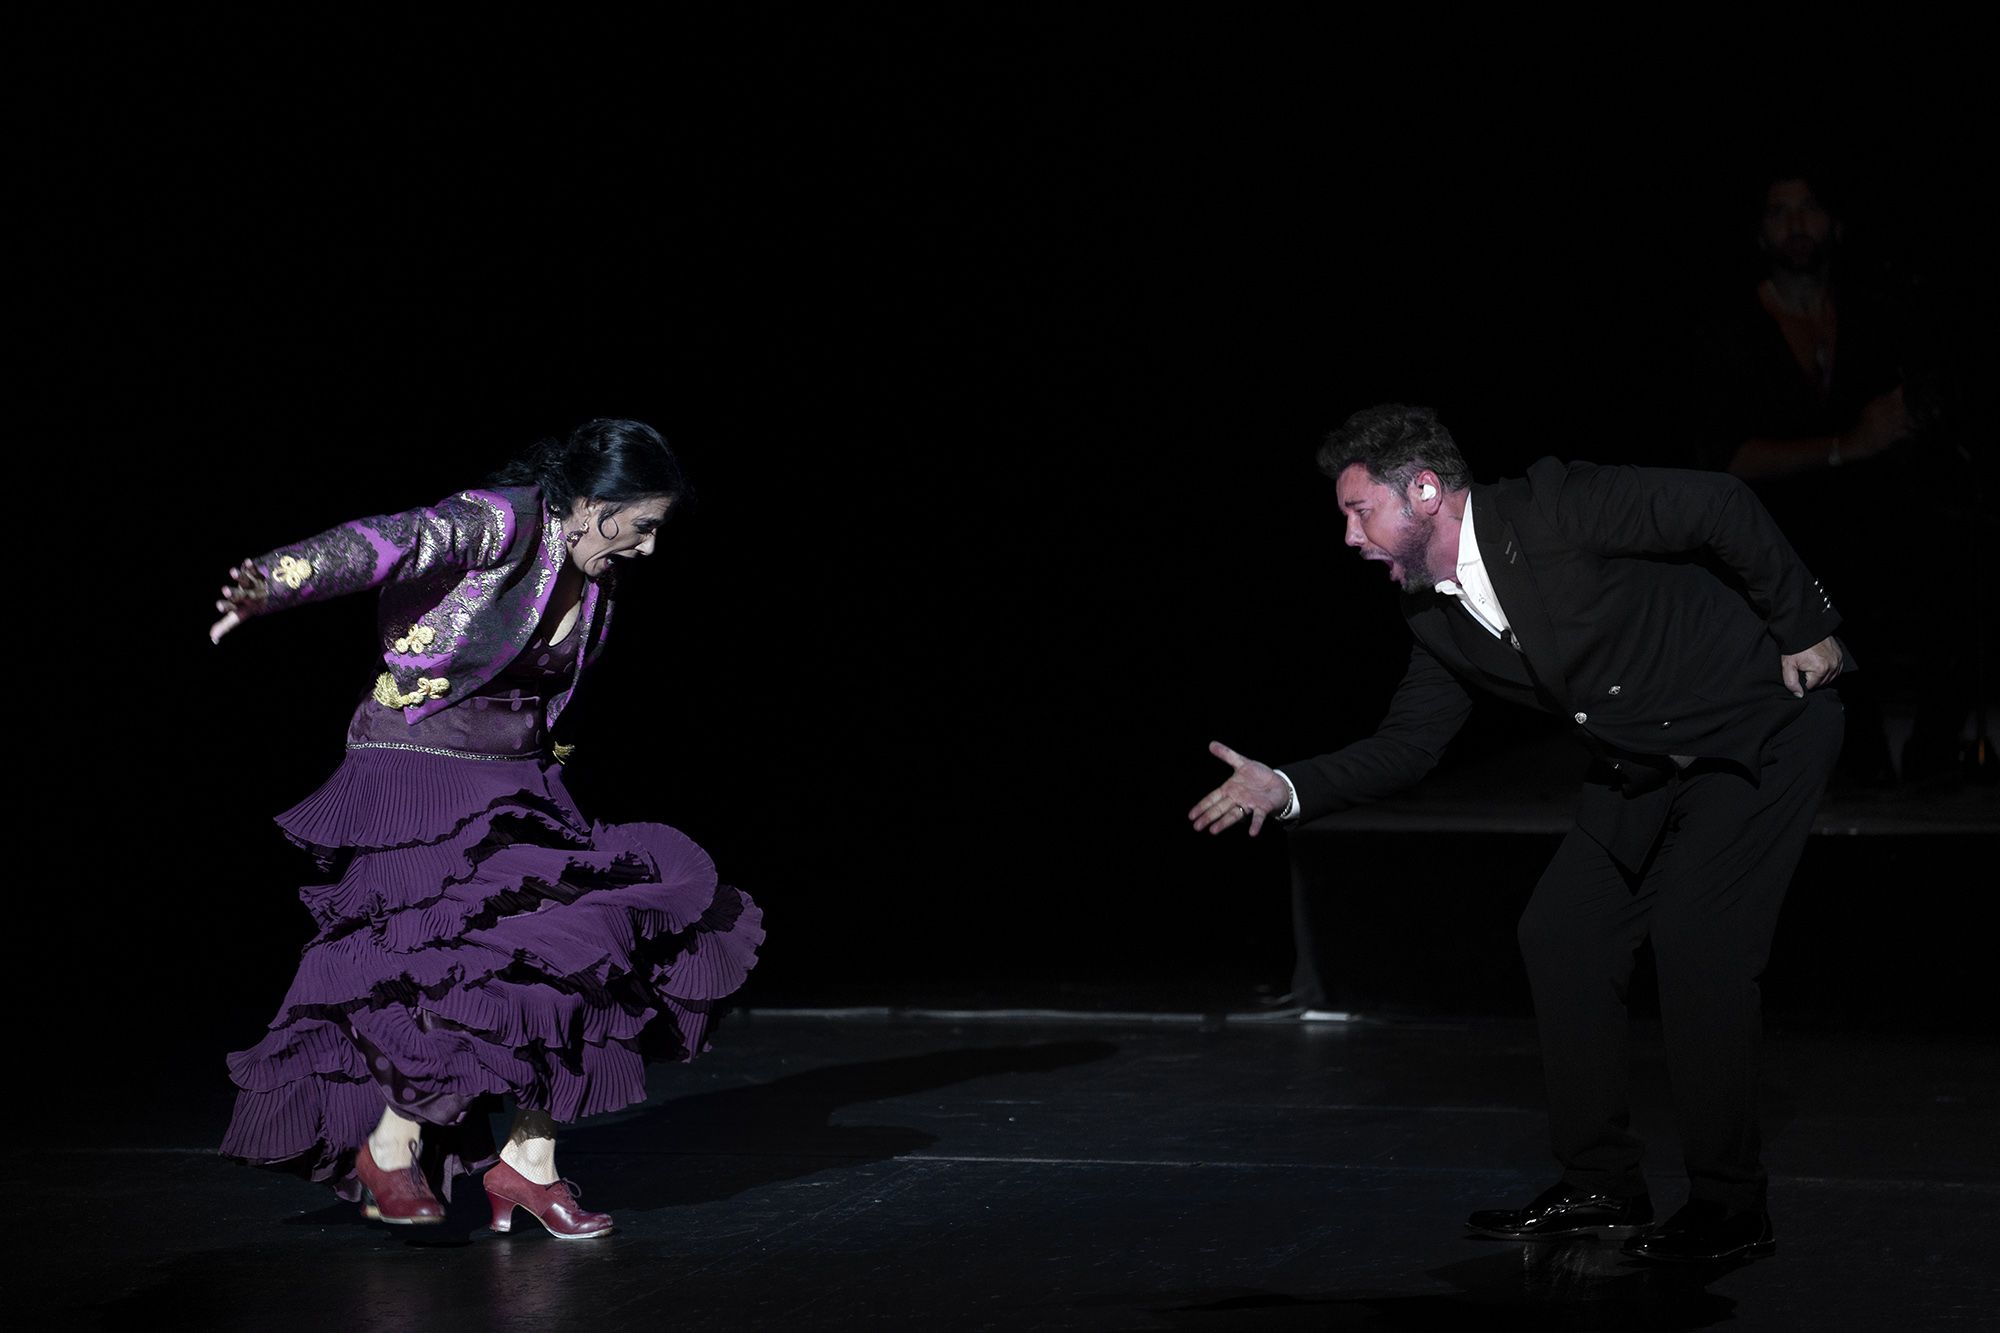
1666	724
1582	718
1616	688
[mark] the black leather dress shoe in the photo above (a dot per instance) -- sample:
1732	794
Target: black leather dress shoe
1704	1232
1561	1212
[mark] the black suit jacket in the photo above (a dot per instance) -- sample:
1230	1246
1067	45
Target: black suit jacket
1650	606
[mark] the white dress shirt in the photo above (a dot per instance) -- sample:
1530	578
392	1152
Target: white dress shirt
1473	590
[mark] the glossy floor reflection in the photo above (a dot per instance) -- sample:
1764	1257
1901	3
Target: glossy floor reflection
821	1174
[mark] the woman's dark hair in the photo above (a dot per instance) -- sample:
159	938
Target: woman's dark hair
1395	443
615	461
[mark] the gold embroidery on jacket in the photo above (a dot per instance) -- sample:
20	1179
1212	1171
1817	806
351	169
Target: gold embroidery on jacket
389	696
292	571
419	638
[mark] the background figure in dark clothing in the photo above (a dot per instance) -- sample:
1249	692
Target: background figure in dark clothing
1803	391
1809	375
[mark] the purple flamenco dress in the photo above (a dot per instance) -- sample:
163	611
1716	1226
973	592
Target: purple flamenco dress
479	938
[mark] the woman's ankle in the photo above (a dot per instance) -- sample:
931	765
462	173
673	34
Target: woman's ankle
393	1151
536	1163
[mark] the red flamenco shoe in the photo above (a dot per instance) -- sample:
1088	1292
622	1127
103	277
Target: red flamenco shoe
398	1197
554	1206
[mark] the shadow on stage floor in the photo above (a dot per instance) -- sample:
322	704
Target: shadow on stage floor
1198	1171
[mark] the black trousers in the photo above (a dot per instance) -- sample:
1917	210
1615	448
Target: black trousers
1708	898
1308	989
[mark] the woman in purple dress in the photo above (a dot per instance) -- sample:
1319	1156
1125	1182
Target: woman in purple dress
477	937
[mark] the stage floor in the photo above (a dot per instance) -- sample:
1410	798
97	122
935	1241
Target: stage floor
856	1172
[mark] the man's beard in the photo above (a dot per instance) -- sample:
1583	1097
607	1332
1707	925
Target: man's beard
1815	259
1413	553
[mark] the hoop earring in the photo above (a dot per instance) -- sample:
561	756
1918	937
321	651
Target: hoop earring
615	529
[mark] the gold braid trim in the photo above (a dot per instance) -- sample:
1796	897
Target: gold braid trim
389	696
418	639
292	571
562	752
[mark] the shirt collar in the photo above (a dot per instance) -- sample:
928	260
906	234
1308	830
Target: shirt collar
1470	562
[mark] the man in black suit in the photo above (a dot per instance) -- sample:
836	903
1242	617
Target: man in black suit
1663	616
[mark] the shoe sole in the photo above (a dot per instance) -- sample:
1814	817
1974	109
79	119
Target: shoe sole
581	1235
1575	1233
1761	1250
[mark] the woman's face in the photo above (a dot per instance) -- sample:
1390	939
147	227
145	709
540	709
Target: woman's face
605	532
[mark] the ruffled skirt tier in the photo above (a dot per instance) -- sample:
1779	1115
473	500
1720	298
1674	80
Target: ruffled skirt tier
476	939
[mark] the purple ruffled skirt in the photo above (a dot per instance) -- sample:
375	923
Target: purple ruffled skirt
481	939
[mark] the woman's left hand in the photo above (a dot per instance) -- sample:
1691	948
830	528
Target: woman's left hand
242	597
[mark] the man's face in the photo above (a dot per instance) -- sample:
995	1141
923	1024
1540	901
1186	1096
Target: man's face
1382	525
1798	233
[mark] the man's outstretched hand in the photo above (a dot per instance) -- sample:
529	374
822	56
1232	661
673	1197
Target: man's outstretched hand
1254	792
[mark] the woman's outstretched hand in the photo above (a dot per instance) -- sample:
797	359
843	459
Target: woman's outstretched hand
242	597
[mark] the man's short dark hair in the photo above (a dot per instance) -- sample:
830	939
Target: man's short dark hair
1822	177
1395	443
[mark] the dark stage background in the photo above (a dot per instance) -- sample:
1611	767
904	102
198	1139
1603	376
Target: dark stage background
998	345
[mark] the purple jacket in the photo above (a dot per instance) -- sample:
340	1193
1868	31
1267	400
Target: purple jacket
465	583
